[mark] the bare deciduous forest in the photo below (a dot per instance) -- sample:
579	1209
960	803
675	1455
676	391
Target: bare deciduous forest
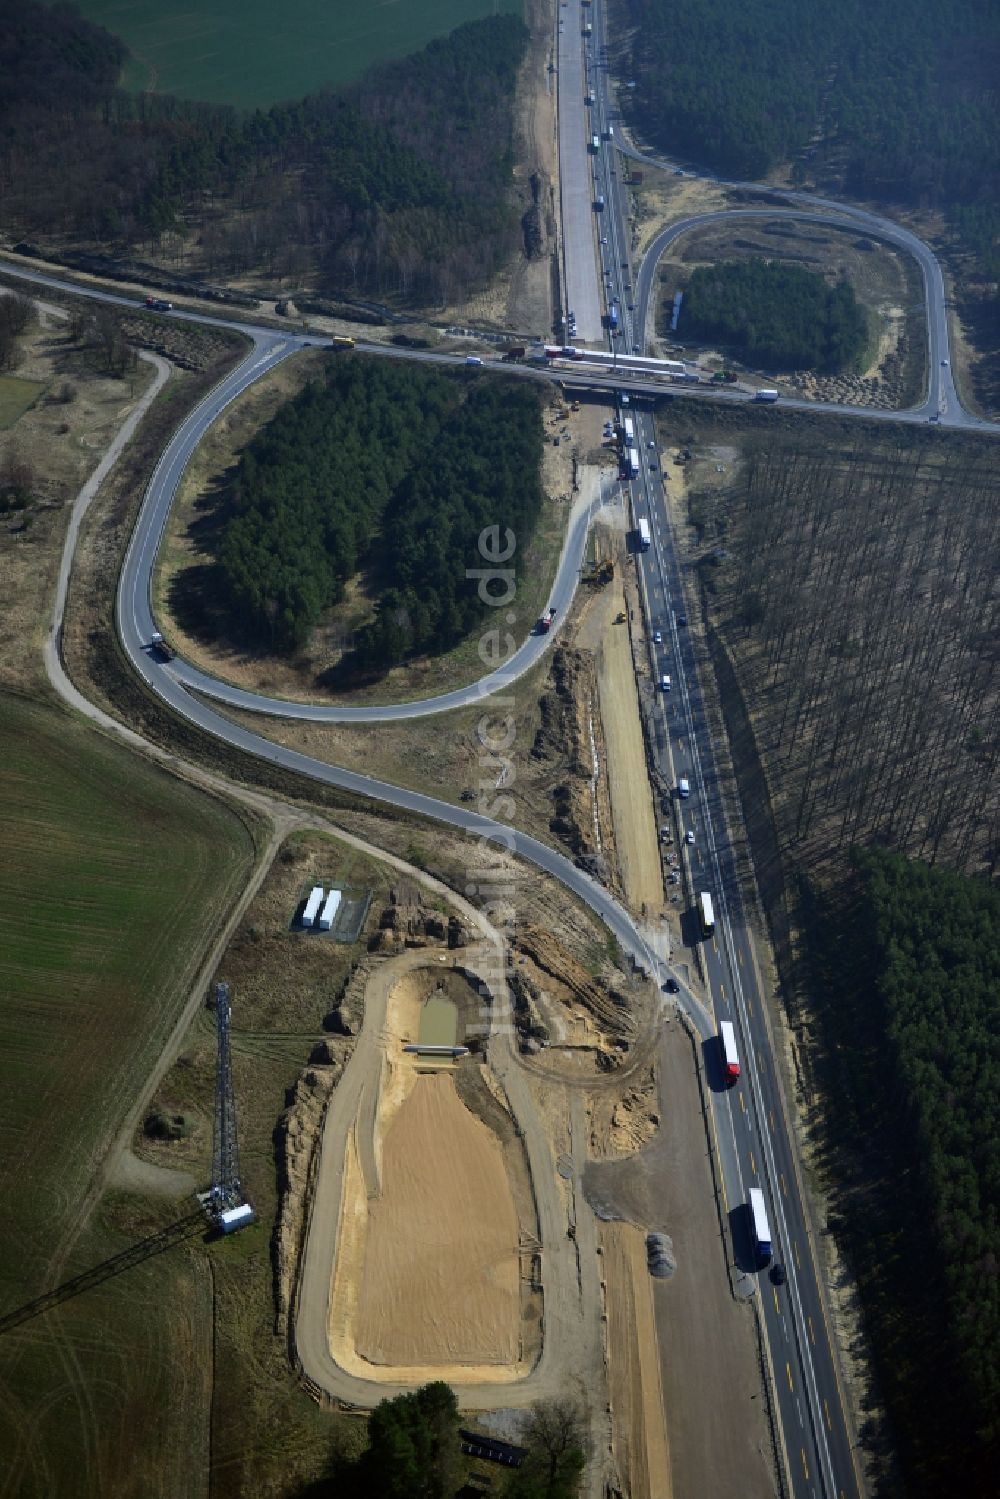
850	586
399	188
857	590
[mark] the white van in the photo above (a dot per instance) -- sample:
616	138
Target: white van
664	683
683	787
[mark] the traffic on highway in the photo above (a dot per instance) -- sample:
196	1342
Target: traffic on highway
816	1444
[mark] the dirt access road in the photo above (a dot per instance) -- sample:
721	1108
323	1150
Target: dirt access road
631	798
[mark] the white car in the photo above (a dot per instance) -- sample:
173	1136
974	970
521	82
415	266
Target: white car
689	836
664	683
657	637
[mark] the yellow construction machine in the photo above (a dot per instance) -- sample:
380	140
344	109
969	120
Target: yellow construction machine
601	572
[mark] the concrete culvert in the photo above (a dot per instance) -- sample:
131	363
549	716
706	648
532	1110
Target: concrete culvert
660	1255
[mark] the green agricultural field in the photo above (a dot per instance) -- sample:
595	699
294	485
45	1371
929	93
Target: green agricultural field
250	52
16	397
113	879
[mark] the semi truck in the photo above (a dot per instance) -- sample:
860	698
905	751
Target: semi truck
599	203
161	647
631	463
595	144
759	1226
628	432
706	914
730	1056
766	395
613	317
645	539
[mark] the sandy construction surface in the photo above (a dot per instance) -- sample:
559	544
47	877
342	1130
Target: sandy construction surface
639	1430
631	798
440	1279
428	1270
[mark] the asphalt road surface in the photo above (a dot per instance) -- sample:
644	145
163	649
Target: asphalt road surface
942	396
754	1142
576	185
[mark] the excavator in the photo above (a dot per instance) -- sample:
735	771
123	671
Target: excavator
601	572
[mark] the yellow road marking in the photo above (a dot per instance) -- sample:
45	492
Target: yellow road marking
743	1103
760	1062
739	956
777	1305
722	991
812	1335
826	1412
795	1251
753	1164
805	1465
788	1371
784	1188
770	1115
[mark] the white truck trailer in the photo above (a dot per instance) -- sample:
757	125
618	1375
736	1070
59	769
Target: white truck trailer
312	906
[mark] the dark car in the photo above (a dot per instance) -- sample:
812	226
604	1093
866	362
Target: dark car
778	1275
672	986
682	619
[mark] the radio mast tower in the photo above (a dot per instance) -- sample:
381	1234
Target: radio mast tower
226	1199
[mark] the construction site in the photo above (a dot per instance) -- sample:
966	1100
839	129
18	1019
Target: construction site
514	1119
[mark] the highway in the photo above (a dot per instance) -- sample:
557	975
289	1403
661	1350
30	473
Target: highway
582	294
754	1142
754	1145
